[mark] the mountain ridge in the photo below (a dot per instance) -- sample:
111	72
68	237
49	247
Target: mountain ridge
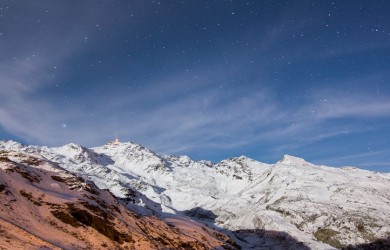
46	207
285	158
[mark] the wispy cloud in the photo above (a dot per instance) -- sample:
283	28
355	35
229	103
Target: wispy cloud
188	122
217	105
375	160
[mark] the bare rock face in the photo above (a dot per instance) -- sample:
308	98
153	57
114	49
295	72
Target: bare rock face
45	206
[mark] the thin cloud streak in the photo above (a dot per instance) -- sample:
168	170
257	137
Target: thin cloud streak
176	112
196	122
375	160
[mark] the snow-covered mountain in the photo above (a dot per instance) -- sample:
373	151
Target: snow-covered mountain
43	206
261	206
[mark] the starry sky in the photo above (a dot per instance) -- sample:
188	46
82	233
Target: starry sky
209	79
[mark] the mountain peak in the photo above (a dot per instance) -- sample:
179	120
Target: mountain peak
114	142
236	159
117	142
10	144
292	160
73	145
243	157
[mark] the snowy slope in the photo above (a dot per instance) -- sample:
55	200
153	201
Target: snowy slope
45	207
322	207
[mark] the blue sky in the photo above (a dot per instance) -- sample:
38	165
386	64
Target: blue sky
209	79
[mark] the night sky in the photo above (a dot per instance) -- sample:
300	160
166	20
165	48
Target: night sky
209	79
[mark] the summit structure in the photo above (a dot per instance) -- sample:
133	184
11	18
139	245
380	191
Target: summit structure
114	142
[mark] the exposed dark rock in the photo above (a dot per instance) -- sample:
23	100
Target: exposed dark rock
2	187
201	213
29	176
32	161
31	198
75	216
66	218
4	159
328	236
380	244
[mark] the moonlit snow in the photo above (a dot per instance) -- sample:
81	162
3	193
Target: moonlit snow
291	196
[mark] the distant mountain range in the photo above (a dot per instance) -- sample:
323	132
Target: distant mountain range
122	195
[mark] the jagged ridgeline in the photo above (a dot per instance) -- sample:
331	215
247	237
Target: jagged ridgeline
124	194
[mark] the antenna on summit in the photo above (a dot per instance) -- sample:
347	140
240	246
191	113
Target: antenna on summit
114	142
